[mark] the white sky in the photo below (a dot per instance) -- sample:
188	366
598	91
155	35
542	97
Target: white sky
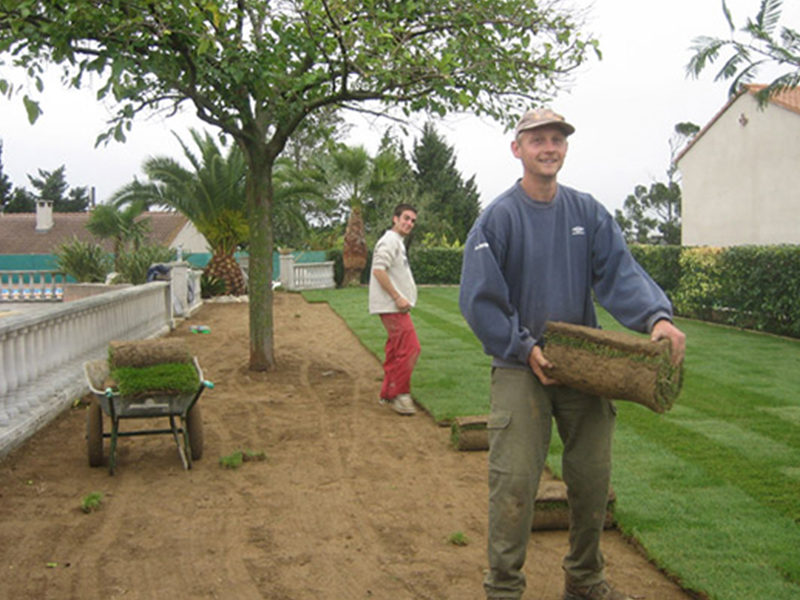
624	107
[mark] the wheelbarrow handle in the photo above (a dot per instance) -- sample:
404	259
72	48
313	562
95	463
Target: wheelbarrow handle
208	384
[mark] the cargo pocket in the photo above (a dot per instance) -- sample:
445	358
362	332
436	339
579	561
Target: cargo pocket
498	420
497	426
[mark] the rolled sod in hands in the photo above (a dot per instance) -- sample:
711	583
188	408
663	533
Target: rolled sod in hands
614	365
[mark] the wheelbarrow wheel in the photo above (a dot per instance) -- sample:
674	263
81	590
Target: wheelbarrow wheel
94	433
194	425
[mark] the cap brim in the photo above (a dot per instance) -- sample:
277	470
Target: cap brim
563	125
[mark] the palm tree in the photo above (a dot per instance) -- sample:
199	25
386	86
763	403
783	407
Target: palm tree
212	196
355	177
122	226
768	46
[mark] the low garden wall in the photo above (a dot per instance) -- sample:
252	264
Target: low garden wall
42	350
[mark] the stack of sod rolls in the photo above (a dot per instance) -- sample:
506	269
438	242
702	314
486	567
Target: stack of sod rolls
144	367
614	365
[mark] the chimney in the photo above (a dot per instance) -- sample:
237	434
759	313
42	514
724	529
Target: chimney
44	215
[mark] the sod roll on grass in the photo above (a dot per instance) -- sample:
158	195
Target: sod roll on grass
614	365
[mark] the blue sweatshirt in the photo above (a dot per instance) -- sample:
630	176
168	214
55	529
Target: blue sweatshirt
528	262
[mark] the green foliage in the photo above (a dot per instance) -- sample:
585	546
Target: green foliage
256	71
761	284
755	287
769	45
211	286
121	225
52	185
436	265
662	263
133	266
211	194
652	214
86	262
91	502
5	182
699	290
449	205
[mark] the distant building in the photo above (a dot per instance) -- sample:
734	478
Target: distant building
741	174
44	231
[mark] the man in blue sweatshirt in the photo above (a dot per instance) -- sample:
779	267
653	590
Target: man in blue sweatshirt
535	254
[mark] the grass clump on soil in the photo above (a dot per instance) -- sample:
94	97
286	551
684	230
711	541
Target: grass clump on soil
91	502
710	490
236	459
458	538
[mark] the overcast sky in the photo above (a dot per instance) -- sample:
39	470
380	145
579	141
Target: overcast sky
624	108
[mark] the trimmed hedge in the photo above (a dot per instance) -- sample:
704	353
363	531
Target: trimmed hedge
753	287
662	263
436	266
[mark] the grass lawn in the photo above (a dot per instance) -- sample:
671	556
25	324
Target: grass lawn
711	489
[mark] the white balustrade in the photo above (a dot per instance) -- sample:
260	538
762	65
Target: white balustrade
32	286
296	276
42	349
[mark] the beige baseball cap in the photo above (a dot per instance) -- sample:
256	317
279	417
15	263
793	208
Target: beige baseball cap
539	117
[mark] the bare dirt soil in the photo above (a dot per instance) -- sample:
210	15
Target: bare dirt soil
351	502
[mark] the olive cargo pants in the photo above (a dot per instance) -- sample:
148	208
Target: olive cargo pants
520	424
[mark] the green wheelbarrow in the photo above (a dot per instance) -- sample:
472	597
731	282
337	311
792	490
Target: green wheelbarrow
182	410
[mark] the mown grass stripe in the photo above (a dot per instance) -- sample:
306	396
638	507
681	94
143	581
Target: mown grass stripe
758	478
668	503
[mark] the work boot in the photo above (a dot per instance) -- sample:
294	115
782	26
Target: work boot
598	591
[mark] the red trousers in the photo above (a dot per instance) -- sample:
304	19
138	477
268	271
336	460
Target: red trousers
402	351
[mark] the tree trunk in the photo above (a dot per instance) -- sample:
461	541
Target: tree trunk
259	201
354	254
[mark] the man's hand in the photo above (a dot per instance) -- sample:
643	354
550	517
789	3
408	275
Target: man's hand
402	304
665	330
538	363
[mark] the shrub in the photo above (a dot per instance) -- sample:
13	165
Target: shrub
699	291
133	266
760	285
662	263
436	265
86	262
211	286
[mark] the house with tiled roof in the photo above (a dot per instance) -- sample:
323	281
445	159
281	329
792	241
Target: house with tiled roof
42	232
741	174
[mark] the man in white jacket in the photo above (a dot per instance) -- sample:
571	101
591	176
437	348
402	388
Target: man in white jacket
392	295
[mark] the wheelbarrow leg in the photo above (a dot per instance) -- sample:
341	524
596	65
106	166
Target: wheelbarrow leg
112	458
181	451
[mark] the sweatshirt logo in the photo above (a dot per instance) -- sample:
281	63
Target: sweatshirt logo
578	230
482	245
